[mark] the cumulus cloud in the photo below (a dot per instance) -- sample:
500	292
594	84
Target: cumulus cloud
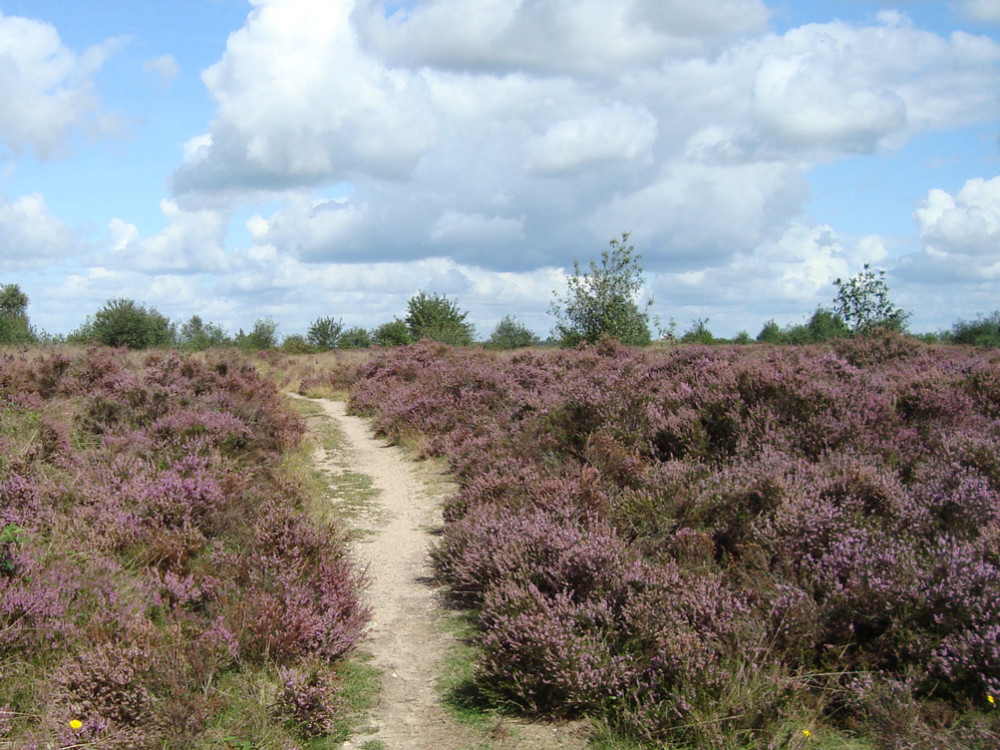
613	133
961	234
549	37
192	242
454	226
31	236
299	103
312	229
785	278
845	89
967	223
508	138
47	88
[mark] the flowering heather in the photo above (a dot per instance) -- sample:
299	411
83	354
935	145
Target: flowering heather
696	541
150	545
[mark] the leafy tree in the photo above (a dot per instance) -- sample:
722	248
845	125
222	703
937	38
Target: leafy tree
14	326
355	338
325	333
984	331
394	333
602	301
435	317
826	325
771	333
698	333
124	322
263	335
296	343
196	335
863	303
511	334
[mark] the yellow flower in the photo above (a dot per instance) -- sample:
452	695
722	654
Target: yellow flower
990	699
806	733
76	724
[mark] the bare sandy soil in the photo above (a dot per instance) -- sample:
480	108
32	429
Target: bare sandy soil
406	637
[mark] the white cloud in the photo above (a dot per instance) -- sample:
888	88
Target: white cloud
985	11
456	227
192	242
961	235
300	103
967	223
784	278
165	65
47	88
554	37
613	133
312	229
842	88
30	236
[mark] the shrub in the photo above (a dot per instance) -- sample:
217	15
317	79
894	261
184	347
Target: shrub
435	317
511	334
984	331
124	322
696	543
602	300
324	333
394	333
150	547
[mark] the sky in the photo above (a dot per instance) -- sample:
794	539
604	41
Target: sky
298	159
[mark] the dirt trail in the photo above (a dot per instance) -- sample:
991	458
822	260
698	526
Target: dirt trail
405	636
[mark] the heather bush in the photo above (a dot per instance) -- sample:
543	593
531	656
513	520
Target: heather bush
150	544
701	543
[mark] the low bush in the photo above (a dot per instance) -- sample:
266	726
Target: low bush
708	544
151	545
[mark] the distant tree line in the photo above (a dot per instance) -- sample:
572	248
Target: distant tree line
601	301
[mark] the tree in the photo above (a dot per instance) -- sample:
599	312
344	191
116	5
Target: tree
325	333
698	333
196	335
263	335
14	326
355	338
435	317
984	331
863	303
124	322
603	300
394	333
511	334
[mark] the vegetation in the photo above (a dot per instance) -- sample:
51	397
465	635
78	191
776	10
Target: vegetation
196	335
435	317
124	322
511	334
162	584
263	336
394	333
823	326
863	303
14	325
324	333
721	547
984	331
602	301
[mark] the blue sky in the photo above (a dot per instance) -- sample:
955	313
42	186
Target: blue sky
305	158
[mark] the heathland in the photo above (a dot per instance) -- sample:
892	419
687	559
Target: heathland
689	546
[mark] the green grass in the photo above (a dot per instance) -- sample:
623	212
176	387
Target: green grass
247	722
342	495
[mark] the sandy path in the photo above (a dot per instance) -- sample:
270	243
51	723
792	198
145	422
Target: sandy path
405	637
